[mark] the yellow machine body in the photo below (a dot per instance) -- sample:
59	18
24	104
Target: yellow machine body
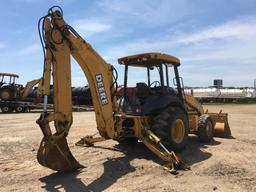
62	42
220	120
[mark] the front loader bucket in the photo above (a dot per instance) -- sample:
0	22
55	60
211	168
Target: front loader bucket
221	128
55	154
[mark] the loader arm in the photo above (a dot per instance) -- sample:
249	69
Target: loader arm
62	42
29	85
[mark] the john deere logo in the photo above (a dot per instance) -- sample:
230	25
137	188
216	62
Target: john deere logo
101	89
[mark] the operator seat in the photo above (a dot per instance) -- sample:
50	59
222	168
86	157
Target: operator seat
142	90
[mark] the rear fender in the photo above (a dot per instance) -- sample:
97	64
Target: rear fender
157	103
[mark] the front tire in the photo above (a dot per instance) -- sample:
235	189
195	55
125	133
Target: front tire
205	128
171	125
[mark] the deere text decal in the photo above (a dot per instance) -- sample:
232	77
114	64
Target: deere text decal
101	89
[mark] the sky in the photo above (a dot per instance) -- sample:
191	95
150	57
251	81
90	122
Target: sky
214	39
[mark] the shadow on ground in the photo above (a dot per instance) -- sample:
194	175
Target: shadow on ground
66	181
196	151
115	168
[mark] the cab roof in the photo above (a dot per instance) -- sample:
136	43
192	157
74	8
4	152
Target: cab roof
9	75
149	60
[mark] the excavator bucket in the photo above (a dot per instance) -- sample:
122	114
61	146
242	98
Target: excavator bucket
221	128
55	154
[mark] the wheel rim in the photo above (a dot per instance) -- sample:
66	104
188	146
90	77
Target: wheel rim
209	128
19	109
5	109
178	131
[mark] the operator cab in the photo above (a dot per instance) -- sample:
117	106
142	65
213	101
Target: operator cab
8	86
154	92
8	78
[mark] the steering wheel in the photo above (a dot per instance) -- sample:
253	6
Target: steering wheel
155	83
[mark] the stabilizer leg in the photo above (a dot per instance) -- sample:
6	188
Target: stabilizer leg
174	163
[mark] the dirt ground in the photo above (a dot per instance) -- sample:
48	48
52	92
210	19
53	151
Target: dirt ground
223	165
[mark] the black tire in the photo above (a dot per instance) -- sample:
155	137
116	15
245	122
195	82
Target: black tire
6	93
6	109
205	128
20	109
165	126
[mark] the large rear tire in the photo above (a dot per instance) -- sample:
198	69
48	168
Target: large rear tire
6	93
205	128
171	125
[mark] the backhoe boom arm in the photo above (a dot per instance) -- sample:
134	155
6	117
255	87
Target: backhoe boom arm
61	41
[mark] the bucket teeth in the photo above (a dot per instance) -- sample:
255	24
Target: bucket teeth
55	154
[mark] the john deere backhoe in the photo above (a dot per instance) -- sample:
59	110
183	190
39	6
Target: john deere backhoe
154	113
11	90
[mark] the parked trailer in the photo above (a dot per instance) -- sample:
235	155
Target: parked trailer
20	106
232	93
250	92
203	92
80	95
211	94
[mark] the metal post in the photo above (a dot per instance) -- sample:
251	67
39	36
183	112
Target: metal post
161	75
148	70
125	87
178	82
167	74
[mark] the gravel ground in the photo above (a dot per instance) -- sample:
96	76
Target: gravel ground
222	165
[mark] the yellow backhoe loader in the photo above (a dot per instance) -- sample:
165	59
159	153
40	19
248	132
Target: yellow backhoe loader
154	113
11	90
